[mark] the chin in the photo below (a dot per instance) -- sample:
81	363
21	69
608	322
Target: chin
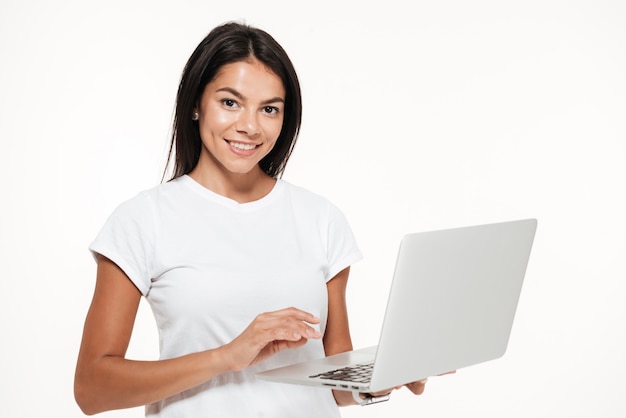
244	170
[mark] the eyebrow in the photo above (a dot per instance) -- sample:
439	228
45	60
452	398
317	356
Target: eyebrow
241	97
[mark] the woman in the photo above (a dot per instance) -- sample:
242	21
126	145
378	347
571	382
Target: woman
242	270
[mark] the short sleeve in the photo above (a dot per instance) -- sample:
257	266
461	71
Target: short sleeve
127	238
343	250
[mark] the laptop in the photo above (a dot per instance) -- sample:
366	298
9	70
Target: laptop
451	304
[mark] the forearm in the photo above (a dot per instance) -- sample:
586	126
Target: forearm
113	382
337	336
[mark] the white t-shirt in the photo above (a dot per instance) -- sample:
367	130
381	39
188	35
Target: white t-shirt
208	266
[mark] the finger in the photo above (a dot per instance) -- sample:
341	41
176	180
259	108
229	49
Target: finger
300	320
417	387
299	331
293	330
282	345
381	393
297	314
443	374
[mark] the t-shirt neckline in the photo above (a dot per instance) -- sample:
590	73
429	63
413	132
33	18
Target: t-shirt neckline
226	201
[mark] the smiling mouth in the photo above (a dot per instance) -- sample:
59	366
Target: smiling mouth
242	146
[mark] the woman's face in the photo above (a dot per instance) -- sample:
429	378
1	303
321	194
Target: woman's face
240	117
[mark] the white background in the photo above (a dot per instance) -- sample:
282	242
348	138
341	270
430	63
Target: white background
437	114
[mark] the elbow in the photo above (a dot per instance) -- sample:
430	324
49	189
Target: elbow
85	398
83	402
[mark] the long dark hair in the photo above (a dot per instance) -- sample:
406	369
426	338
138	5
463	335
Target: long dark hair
225	44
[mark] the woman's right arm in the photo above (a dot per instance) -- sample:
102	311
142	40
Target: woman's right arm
106	380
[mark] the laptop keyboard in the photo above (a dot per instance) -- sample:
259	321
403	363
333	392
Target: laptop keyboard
360	373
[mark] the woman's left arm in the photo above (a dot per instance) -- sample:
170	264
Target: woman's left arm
337	334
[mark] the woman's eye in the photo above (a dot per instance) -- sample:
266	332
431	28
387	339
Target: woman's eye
229	102
270	109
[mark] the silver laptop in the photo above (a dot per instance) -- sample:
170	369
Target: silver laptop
451	305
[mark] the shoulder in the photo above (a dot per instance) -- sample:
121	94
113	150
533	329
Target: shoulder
304	196
307	201
147	201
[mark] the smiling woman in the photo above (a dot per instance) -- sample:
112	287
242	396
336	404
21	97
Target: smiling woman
243	271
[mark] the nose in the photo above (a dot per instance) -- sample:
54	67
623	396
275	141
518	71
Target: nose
247	123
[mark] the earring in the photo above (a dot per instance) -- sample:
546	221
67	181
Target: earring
195	116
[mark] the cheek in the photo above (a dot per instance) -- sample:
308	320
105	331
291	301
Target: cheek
214	124
273	131
218	120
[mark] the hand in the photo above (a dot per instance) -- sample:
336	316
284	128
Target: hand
419	386
270	333
415	387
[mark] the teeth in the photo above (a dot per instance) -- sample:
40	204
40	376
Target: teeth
245	147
